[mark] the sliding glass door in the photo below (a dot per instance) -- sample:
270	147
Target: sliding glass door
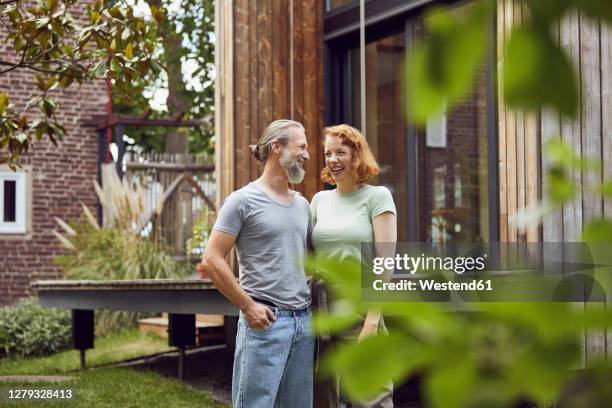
439	174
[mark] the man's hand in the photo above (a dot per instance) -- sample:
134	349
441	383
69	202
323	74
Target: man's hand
201	271
258	316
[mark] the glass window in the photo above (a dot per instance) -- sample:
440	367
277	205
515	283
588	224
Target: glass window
385	122
12	202
449	163
452	168
334	4
10	198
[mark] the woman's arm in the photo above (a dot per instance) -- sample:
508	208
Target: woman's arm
385	232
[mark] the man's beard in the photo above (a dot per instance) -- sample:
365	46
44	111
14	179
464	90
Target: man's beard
295	173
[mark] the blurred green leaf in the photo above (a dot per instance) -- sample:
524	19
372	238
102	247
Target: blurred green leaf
452	385
538	72
560	187
547	11
548	320
333	323
441	69
597	231
596	9
559	152
543	370
343	278
365	367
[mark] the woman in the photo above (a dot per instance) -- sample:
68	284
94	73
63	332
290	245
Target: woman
343	218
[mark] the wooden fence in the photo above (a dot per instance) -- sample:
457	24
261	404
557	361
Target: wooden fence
179	188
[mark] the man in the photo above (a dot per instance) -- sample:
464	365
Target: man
268	223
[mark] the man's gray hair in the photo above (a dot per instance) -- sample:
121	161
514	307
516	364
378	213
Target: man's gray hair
276	131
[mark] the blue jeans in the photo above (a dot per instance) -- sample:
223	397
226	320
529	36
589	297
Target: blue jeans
273	367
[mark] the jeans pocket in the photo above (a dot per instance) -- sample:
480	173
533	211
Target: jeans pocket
249	328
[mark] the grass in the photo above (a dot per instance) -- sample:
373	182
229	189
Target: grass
116	387
109	349
105	387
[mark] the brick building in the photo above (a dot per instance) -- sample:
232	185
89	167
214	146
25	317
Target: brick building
53	181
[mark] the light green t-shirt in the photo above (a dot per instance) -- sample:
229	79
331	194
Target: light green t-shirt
342	221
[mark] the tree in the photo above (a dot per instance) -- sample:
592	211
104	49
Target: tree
186	39
112	44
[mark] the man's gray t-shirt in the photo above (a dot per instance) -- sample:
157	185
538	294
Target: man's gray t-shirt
270	244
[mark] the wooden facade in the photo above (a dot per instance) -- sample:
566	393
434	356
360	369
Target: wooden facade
270	66
522	166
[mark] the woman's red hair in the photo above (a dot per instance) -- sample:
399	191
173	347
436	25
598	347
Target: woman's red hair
364	165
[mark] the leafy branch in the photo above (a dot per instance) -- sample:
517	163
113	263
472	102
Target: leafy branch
111	44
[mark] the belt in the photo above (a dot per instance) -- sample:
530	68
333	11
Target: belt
281	311
264	302
285	312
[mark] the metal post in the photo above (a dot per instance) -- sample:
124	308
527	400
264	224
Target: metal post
83	332
362	64
181	363
181	333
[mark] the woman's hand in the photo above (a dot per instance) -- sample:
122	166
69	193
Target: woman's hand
370	325
368	329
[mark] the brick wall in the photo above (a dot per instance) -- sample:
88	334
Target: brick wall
61	177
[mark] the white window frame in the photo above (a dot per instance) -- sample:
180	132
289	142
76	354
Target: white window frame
436	131
21	222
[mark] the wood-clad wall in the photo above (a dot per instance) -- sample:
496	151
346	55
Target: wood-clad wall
522	166
275	48
224	90
521	137
519	144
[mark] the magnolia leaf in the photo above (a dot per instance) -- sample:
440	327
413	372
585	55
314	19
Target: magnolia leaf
129	51
3	102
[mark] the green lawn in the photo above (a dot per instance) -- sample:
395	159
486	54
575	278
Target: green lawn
105	387
109	349
117	387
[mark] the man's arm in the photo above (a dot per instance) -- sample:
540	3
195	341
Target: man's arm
215	263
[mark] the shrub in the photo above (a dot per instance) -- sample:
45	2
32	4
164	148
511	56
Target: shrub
200	232
27	329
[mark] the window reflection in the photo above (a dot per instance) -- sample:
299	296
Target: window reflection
334	4
385	122
451	176
10	198
452	168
